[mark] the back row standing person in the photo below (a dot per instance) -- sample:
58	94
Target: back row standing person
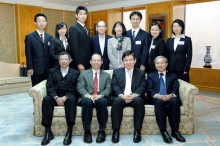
139	40
37	46
99	43
59	43
117	45
179	51
80	40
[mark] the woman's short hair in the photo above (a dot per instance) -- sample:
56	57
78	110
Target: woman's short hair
181	23
124	31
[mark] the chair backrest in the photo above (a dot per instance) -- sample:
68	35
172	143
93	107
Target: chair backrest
110	72
9	70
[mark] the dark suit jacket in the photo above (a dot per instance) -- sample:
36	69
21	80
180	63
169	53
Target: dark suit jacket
80	45
159	50
179	60
153	84
85	83
54	79
56	46
95	48
37	52
140	50
138	84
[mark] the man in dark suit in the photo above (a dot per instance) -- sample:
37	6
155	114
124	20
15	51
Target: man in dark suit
163	90
128	88
94	86
37	45
61	91
80	40
99	43
139	40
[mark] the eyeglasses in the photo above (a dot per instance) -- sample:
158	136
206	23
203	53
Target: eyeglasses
101	26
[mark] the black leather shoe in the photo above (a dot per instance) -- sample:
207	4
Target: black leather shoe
87	136
47	137
115	137
166	137
178	136
137	136
68	139
100	137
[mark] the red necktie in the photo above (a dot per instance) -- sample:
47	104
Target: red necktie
95	85
41	36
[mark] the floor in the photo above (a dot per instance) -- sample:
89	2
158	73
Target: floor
16	125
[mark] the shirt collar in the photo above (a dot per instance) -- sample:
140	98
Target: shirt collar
64	69
95	71
39	32
131	70
164	73
136	30
62	40
81	24
182	36
101	37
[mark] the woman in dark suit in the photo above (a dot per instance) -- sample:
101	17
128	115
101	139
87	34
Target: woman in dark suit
179	51
156	45
59	43
117	45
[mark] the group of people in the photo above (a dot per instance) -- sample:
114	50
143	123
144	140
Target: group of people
73	67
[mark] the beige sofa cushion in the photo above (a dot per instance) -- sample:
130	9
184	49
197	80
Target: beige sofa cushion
2	81
14	80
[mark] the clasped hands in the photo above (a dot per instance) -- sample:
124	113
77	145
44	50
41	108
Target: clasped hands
61	100
128	98
164	97
93	97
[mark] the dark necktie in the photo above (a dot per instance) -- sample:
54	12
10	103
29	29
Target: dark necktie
162	85
133	35
41	36
95	85
85	29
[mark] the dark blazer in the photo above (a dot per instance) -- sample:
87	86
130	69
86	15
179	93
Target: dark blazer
37	52
138	84
80	45
179	60
158	50
153	84
56	46
54	79
95	48
140	50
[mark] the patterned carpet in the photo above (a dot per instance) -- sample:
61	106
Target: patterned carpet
16	125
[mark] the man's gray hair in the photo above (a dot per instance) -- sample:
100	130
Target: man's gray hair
160	57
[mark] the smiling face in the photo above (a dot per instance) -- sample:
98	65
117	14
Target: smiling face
62	31
41	23
81	16
155	31
161	64
64	61
129	62
96	61
118	29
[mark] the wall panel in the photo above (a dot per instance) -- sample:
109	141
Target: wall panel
25	25
53	17
7	33
69	18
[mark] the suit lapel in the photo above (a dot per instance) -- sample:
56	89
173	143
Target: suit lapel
69	75
134	75
138	35
100	80
90	77
99	48
123	75
180	46
36	35
58	75
82	29
167	80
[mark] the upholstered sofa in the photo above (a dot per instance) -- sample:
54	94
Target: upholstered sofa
187	92
10	80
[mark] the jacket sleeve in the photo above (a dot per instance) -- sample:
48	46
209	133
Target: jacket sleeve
28	52
188	55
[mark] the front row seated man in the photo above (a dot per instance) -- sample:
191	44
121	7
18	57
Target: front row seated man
128	88
94	86
163	91
61	90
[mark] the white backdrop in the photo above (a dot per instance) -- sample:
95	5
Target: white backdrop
203	26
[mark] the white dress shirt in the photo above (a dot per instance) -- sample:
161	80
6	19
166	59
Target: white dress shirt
128	79
176	41
64	71
65	43
102	43
136	31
